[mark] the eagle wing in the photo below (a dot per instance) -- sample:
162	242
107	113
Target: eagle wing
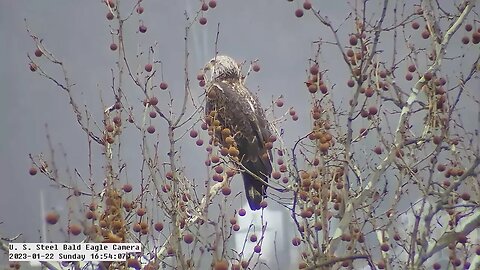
239	110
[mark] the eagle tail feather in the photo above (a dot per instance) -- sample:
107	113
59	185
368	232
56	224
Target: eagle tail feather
255	190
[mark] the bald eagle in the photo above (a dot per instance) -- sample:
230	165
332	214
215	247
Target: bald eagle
239	113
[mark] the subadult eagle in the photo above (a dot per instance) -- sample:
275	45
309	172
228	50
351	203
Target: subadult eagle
238	112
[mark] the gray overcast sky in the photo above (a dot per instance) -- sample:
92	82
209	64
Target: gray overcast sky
78	33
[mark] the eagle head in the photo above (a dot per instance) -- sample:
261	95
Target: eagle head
223	67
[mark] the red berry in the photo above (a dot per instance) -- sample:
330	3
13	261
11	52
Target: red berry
226	191
437	139
193	133
136	227
109	16
465	196
312	88
221	265
456	262
385	247
372	110
364	113
117	120
353	40
202	20
153	101
139	9
188	238
90	215
212	3
276	175
350	53
113	47
217	177
169	175
38	52
151	129
442	81
127	187
199	142
163	85
296	241
428	76
242	212
215	159
142	28
141	211
412	68
476	37
158	226
299	13
166	188
204	7
263	204
369	92
441	167
415	25
279	103
32	171
425	34
465	40
75	229
323	88
314	70
307	5
236	227
408	76
148	67
256	67
257	249
253	238
468	27
52	217
33	67
133	263
382	74
351	83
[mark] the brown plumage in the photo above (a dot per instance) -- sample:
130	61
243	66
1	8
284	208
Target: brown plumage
237	109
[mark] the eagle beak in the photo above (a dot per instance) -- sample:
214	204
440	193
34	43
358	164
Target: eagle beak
208	71
208	67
